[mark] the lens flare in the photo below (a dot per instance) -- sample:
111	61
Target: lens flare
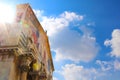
7	13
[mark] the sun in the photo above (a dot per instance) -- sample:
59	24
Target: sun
7	13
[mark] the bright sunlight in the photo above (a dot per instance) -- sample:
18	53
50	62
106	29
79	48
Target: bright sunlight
7	13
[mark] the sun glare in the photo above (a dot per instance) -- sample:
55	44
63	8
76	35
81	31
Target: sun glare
7	13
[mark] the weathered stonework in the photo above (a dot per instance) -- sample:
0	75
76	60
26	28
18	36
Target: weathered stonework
24	48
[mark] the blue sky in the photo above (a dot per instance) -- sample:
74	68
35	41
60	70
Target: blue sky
84	36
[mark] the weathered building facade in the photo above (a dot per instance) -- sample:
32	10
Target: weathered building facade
24	48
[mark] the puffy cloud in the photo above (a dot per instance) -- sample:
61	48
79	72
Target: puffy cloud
77	72
67	43
105	65
54	25
54	78
38	13
117	65
114	43
70	16
74	46
109	65
74	72
107	42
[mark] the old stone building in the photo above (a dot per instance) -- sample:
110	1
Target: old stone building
24	48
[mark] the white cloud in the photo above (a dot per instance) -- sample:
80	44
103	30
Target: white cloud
70	16
54	25
117	65
38	13
74	72
109	65
105	65
67	43
107	42
54	78
114	43
74	46
77	72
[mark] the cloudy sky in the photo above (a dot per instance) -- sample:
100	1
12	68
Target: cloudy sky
84	36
